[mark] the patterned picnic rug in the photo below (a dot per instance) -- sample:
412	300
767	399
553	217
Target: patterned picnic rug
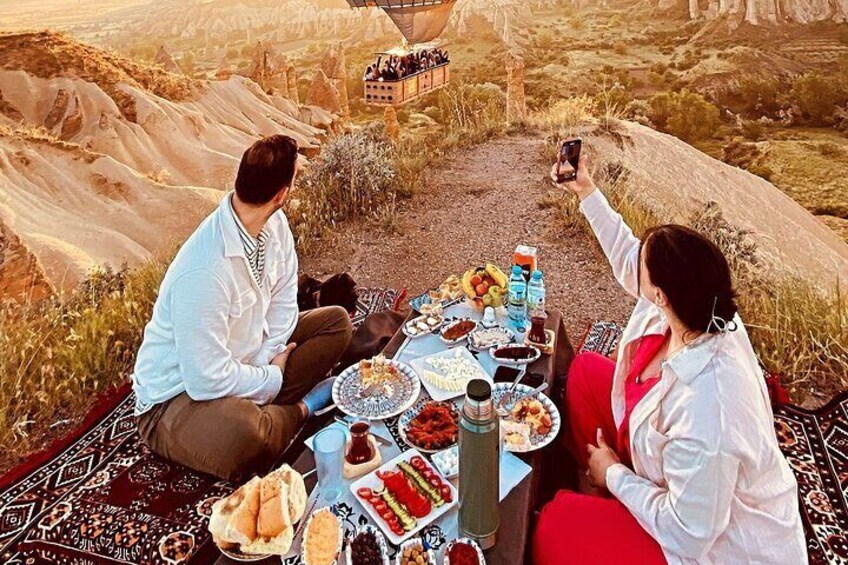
102	497
815	443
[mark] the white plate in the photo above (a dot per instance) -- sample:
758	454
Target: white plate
372	481
433	329
439	394
406	417
515	362
537	441
401	395
237	555
449	323
506	336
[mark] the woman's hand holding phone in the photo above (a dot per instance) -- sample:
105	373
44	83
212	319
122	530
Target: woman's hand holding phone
582	185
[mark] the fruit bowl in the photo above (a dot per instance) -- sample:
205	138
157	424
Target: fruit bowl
485	286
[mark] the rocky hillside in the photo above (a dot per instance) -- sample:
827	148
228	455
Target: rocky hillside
759	12
677	181
96	152
286	20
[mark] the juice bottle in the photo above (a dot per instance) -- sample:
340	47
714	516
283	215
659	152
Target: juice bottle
526	258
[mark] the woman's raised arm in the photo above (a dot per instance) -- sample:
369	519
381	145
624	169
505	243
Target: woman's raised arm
615	236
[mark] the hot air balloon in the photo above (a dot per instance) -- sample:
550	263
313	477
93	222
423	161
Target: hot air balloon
420	22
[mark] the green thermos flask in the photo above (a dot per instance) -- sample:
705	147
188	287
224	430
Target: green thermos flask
479	465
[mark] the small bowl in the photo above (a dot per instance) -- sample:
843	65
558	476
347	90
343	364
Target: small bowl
306	531
468	541
438	460
412	543
449	324
514	362
378	535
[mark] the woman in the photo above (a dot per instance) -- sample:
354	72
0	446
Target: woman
679	430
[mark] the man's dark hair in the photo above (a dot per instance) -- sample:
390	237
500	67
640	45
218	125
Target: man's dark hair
266	168
692	272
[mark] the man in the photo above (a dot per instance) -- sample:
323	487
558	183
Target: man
229	369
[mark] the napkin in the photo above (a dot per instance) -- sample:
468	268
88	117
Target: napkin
513	471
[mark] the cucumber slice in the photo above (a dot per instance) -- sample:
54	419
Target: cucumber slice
422	484
406	520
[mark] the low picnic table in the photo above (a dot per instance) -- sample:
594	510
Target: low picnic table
519	505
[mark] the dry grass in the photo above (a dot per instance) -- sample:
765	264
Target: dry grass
56	356
797	329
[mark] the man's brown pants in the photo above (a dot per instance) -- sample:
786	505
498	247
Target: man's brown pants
233	437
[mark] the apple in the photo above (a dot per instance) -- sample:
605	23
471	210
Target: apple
482	289
475	280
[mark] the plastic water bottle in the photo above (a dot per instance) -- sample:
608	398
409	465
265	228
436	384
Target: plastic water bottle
535	293
517	301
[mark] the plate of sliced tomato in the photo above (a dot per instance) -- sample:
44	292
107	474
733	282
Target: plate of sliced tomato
405	495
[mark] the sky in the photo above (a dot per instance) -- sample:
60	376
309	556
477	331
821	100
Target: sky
42	13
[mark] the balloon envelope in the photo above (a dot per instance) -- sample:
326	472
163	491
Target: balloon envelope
419	21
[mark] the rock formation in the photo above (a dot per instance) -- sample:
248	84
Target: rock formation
392	125
323	93
273	72
760	12
516	107
333	66
166	61
290	19
225	69
22	278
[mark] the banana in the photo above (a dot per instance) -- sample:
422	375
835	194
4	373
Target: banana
497	275
466	283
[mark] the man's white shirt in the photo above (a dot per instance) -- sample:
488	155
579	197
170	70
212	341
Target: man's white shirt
215	329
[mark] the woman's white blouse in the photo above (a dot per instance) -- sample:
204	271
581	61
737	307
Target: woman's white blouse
709	481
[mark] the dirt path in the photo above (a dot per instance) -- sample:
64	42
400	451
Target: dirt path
477	207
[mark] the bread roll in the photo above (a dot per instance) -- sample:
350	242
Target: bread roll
297	492
278	545
274	507
259	517
233	519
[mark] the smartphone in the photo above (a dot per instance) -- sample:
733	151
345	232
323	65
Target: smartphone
508	374
569	152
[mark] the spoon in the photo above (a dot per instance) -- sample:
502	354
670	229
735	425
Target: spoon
505	410
511	390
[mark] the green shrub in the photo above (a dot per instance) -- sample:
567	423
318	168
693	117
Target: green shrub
753	130
817	96
684	114
759	96
353	175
